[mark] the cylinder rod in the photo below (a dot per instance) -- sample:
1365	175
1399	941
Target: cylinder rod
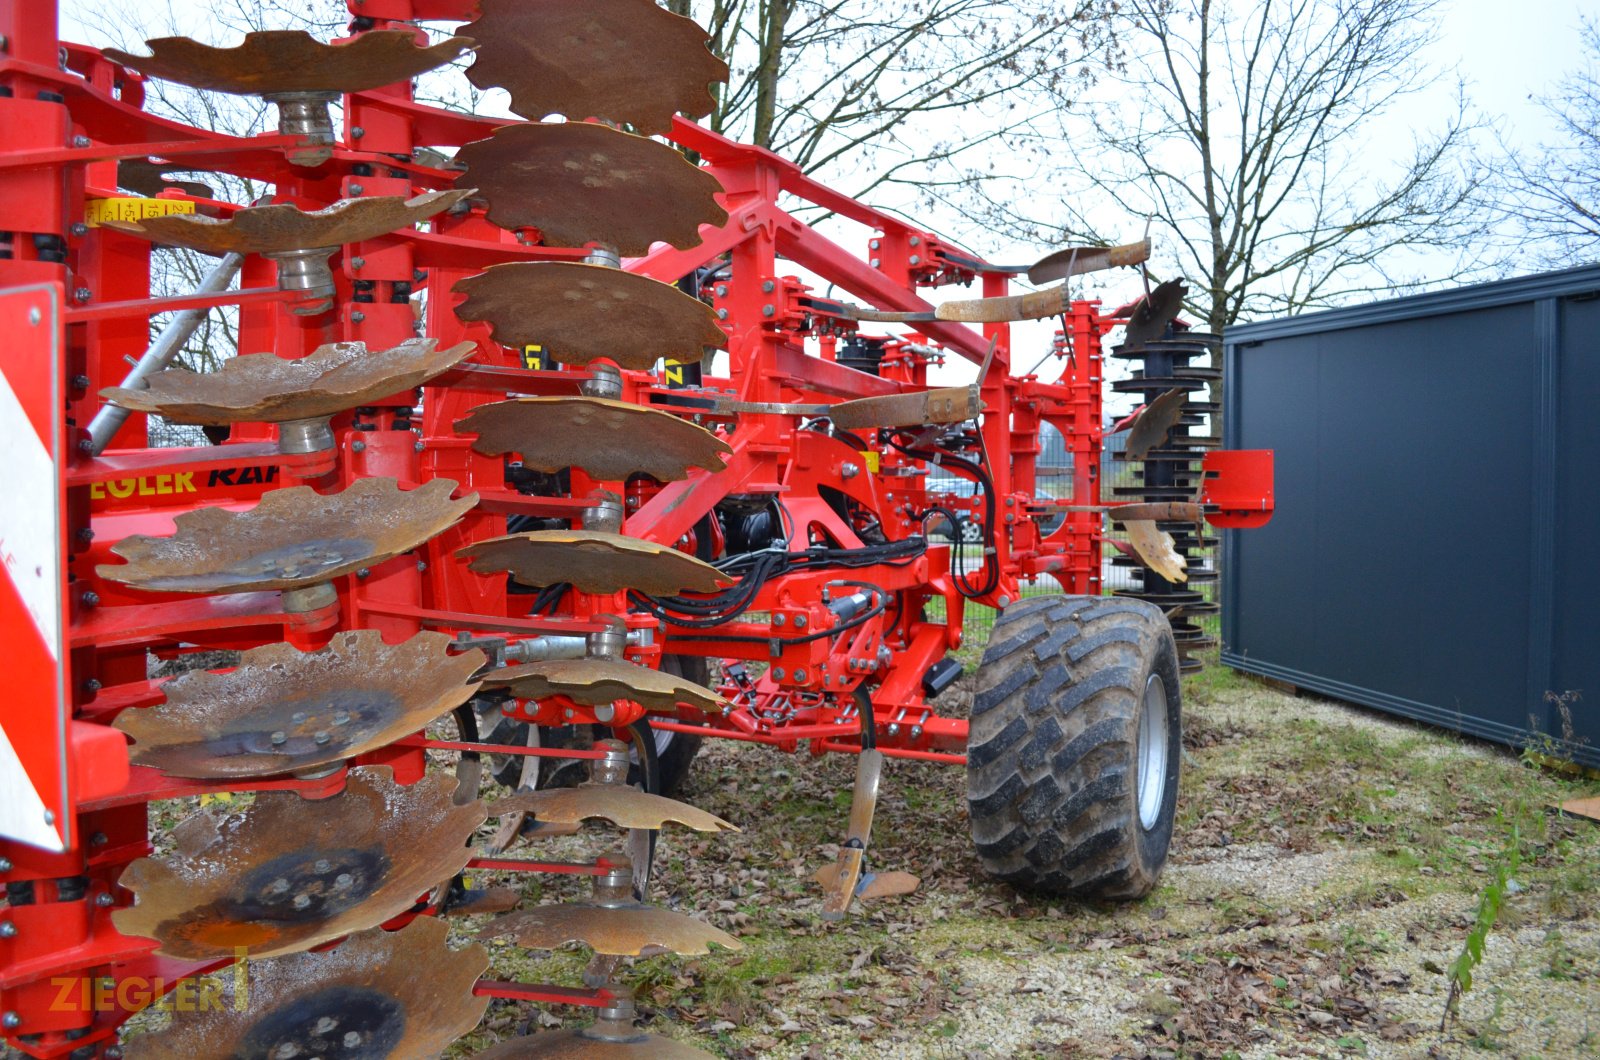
111	417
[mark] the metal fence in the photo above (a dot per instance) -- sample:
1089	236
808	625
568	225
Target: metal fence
1114	472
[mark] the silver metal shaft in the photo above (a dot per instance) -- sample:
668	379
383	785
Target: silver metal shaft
110	418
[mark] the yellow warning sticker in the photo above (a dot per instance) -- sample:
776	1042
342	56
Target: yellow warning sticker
128	208
674	372
531	359
871	458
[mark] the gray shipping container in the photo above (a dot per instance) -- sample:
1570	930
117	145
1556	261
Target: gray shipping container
1434	551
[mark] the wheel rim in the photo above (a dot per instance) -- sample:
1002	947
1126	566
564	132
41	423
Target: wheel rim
1152	752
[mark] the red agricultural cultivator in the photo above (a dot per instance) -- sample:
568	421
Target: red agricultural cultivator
475	484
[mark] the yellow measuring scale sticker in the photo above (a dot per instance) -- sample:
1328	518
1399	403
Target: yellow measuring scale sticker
128	208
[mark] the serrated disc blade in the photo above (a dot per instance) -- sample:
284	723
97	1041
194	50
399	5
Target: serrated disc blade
266	388
363	999
577	313
628	930
291	60
282	710
580	183
287	873
293	538
624	806
281	226
576	1045
628	61
608	440
592	561
597	681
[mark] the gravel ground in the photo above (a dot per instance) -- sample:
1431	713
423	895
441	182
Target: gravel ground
1327	865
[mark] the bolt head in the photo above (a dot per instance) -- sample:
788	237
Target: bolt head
768	311
11	1021
915	241
8	930
279	739
80	141
34	316
722	314
79	228
915	260
357	446
103	900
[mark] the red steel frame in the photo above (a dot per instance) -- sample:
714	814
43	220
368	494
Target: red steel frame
76	302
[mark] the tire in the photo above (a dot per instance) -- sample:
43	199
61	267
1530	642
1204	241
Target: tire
1075	745
675	751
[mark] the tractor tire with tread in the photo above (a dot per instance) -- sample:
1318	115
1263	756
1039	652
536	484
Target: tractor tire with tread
1074	749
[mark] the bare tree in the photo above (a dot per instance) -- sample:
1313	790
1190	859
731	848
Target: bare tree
1244	135
919	94
1557	194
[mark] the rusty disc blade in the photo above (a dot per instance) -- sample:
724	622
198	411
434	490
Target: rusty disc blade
578	1045
291	60
629	929
282	710
580	183
281	226
293	538
149	179
593	561
1075	261
288	873
608	440
1153	313
578	313
266	388
951	404
598	681
628	61
1155	549
1155	423
624	806
1052	301
362	999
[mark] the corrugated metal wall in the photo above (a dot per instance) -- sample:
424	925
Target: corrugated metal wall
1434	552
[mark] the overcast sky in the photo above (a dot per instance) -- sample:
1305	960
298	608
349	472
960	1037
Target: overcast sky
1505	54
